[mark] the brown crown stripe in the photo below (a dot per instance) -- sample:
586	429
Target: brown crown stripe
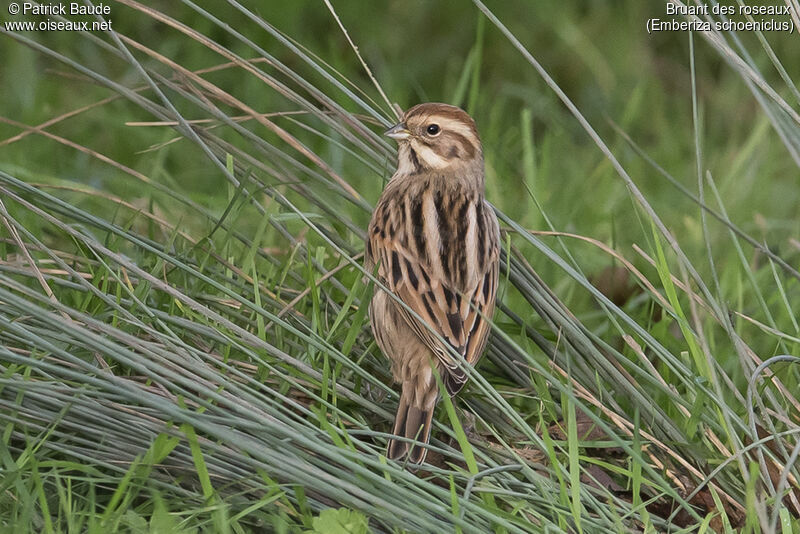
442	111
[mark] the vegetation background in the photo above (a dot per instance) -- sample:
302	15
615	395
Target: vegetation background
183	338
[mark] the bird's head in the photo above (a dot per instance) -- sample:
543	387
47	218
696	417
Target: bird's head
434	137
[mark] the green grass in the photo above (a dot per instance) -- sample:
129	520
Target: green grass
184	345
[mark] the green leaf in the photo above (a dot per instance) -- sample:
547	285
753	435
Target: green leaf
341	521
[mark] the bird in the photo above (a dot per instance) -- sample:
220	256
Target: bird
435	242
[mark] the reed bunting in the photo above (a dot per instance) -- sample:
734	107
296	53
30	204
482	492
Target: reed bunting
435	240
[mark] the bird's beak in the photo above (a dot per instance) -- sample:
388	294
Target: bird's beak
398	131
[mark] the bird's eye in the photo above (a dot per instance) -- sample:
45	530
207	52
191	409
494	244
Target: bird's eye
433	129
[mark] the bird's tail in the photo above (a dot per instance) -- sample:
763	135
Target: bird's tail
412	423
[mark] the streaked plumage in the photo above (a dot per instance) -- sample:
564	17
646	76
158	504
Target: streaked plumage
436	243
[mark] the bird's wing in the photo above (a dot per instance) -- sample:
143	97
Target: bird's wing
478	323
460	317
